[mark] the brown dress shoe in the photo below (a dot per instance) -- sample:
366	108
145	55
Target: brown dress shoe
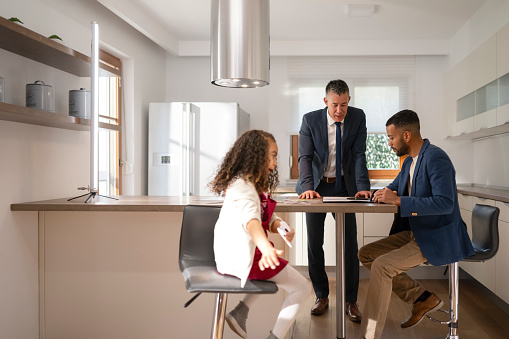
421	308
353	312
320	305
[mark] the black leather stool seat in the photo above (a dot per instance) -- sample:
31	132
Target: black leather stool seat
198	266
484	232
207	279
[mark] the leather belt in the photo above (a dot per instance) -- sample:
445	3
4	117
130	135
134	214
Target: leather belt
329	180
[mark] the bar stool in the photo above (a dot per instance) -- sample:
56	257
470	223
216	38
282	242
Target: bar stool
198	266
485	241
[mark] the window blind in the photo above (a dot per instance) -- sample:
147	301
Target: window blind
380	85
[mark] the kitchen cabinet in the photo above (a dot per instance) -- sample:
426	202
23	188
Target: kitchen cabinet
474	90
462	108
502	265
449	104
26	43
370	227
485	120
466	215
503	51
466	205
503	109
503	115
376	226
485	62
299	252
494	273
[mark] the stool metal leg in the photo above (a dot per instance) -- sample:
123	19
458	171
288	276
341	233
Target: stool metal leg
453	303
219	314
453	300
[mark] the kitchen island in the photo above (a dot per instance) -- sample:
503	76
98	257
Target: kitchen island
109	269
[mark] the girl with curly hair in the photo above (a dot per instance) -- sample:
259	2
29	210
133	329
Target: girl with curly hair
247	176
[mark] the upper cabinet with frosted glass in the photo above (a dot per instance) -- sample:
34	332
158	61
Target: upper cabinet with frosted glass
476	91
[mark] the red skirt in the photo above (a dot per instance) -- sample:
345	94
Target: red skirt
268	273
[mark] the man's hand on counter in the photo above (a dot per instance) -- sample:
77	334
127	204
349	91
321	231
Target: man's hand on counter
363	194
309	195
387	196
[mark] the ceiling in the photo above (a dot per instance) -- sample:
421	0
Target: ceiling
300	26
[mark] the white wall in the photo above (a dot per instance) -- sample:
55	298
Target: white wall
269	107
39	163
491	17
143	80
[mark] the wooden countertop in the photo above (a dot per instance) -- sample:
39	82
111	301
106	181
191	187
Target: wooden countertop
176	204
499	194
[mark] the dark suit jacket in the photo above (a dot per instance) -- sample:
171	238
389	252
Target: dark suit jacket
432	207
314	150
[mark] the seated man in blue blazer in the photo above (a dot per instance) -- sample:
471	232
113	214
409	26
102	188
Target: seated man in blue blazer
427	228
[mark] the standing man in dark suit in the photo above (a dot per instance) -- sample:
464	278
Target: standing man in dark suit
429	227
332	162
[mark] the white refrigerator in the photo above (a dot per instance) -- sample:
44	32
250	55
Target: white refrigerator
186	143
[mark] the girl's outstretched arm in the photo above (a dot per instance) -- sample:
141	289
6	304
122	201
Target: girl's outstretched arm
269	253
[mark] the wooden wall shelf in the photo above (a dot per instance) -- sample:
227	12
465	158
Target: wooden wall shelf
22	41
39	117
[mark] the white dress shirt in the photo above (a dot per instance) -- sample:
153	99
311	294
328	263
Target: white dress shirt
330	171
411	175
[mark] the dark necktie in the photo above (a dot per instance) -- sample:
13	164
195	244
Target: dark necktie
339	150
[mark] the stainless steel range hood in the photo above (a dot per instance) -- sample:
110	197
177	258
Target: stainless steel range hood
239	49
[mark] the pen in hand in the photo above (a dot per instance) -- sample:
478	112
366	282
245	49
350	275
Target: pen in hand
372	195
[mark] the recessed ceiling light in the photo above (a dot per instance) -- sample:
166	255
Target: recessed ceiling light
360	9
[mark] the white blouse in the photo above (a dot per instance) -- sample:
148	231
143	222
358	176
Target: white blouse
233	246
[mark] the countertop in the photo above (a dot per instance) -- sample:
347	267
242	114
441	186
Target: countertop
286	203
176	204
494	193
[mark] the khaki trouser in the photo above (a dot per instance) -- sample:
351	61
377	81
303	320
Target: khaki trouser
389	259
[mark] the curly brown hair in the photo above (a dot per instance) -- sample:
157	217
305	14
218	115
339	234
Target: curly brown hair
247	159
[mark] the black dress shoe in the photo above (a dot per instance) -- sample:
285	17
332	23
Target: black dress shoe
320	305
353	312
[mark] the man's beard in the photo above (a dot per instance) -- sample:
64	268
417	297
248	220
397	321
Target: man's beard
402	151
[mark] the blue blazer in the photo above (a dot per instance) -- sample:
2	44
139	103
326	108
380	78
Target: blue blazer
314	150
432	207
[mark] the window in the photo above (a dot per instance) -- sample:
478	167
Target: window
109	140
381	86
